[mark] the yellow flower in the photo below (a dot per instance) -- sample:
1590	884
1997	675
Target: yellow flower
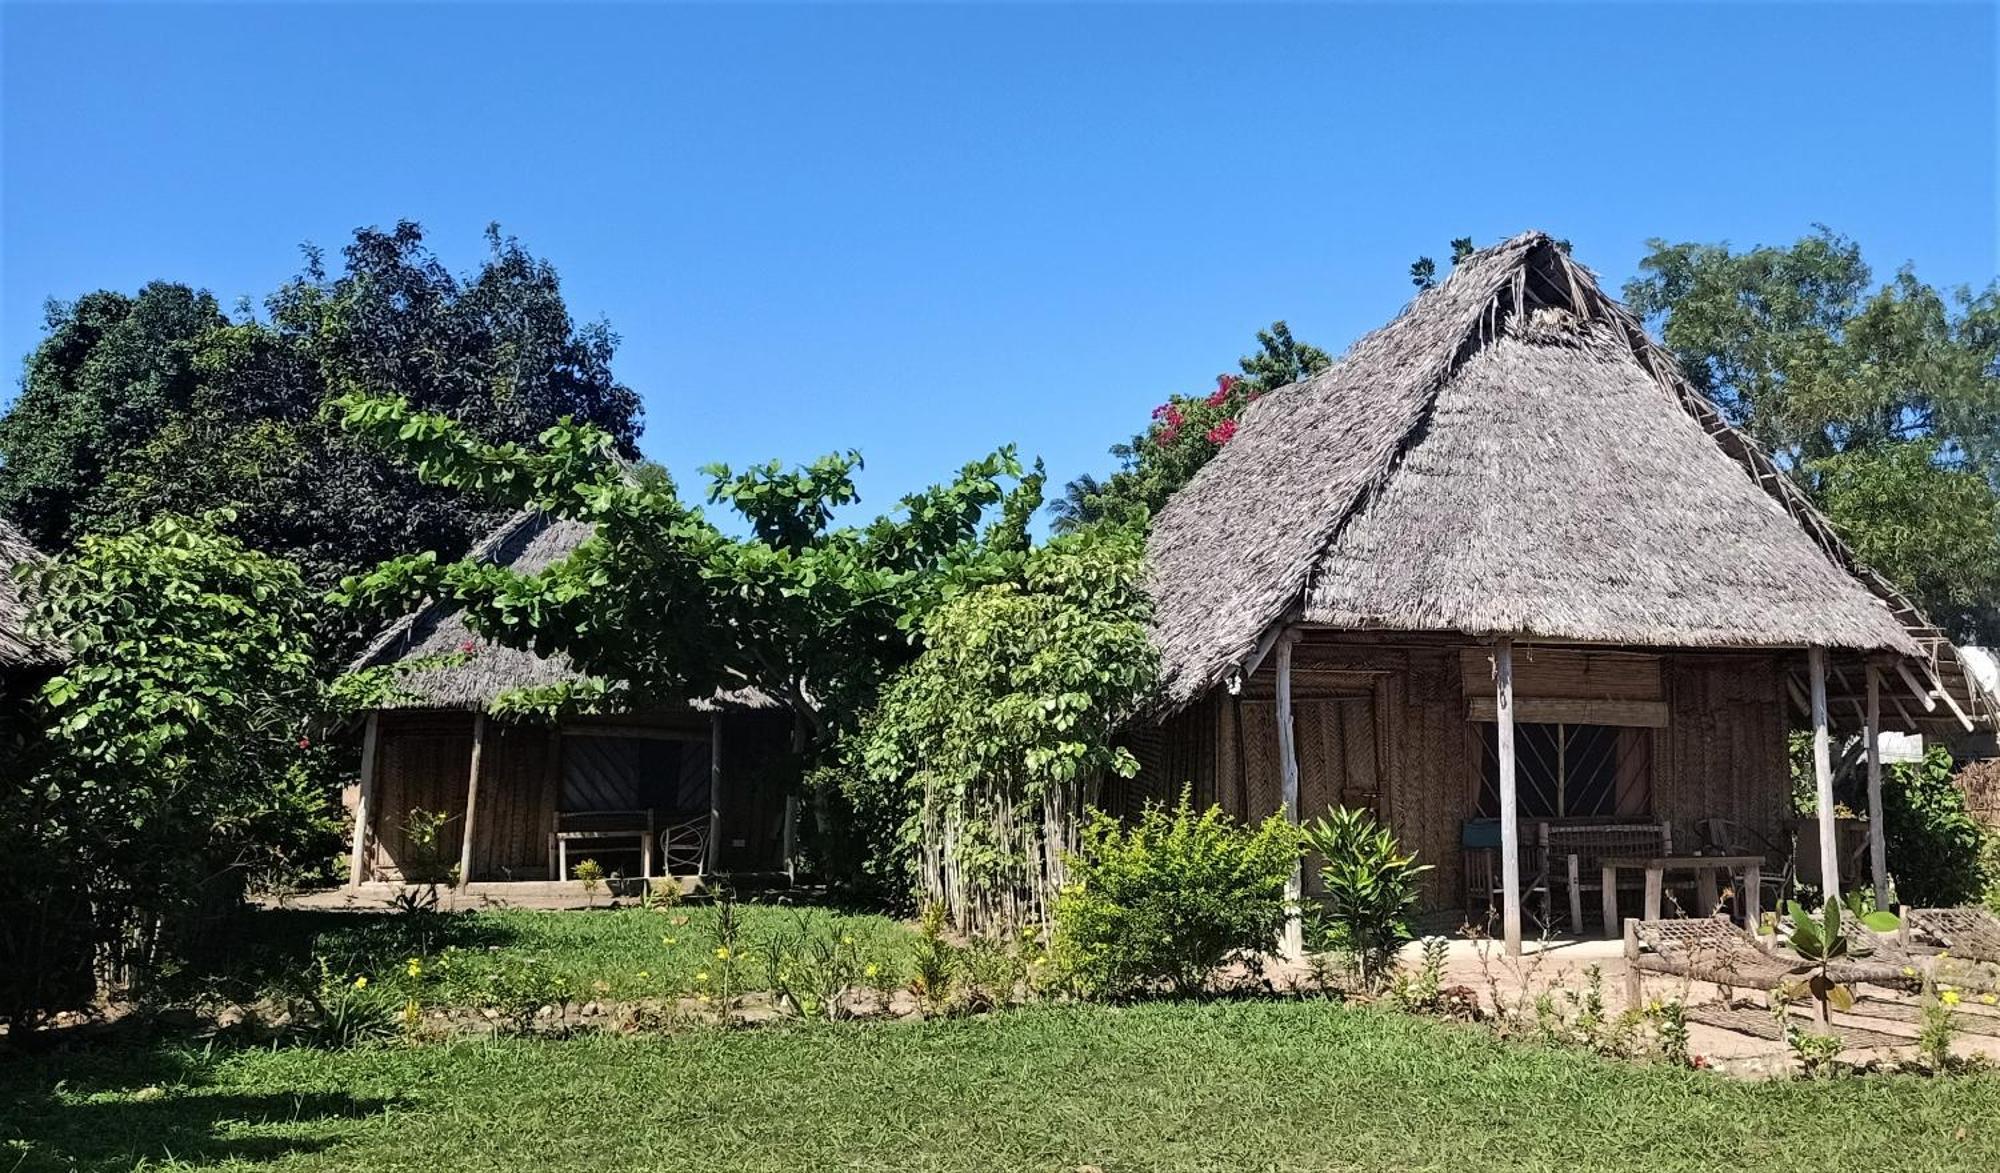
847	940
722	952
1949	997
871	970
702	976
666	940
361	983
415	968
1989	999
643	975
1909	971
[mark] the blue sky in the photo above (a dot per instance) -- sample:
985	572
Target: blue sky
925	231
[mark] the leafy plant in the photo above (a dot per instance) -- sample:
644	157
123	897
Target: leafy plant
811	966
338	1010
1422	992
1821	941
1935	846
724	972
938	964
1372	886
590	874
1164	903
1937	1025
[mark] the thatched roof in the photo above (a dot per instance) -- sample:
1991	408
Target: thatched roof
16	649
1510	455
528	542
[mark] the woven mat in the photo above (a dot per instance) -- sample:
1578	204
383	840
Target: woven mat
1758	1024
1969	1021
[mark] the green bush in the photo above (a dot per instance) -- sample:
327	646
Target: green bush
1934	845
1165	902
1371	884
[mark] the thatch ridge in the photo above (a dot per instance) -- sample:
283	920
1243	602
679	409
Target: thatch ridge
1258	536
527	542
17	650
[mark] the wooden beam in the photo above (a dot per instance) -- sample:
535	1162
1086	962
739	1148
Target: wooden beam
1556	710
364	804
708	856
1951	702
1878	850
1916	686
1510	816
1292	947
1829	846
471	827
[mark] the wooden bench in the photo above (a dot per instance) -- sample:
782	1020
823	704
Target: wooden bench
639	826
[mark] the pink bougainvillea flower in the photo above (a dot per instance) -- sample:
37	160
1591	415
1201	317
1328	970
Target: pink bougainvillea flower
1220	433
468	647
1224	384
305	743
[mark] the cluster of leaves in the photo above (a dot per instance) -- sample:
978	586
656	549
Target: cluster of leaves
1882	401
1372	887
1000	728
1165	902
174	762
1186	432
158	402
1935	847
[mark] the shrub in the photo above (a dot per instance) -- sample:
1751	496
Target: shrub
1371	886
1934	845
1170	899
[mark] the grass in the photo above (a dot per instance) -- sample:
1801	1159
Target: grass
1236	1085
619	953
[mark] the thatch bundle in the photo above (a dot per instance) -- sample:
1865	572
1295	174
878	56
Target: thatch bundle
528	543
1510	455
16	649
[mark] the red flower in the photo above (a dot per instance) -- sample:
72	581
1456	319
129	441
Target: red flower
468	647
305	743
1223	385
1220	433
1160	412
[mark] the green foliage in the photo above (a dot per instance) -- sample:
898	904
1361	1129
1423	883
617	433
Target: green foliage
1186	432
1883	402
985	749
176	762
134	406
1820	941
339	1010
1935	846
1372	886
810	965
1165	902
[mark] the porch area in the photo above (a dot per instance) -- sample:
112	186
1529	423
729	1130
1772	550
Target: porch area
489	807
1556	789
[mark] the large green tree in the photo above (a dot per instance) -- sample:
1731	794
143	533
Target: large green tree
1186	431
1881	400
134	406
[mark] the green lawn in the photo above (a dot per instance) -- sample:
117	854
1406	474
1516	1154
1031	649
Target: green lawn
616	953
1231	1085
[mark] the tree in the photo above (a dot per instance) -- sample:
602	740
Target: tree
173	760
985	751
134	407
1185	433
1882	402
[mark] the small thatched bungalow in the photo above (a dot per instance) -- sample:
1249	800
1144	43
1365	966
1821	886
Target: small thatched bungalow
1503	562
699	787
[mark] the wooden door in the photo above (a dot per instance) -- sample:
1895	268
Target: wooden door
1340	762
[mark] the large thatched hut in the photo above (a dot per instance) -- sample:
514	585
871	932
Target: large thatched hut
697	787
1503	562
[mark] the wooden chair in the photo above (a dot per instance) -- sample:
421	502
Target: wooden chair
1727	837
1484	886
1581	845
636	826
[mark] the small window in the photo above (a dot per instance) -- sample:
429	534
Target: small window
1571	771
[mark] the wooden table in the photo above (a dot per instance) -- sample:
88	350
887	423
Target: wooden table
1704	868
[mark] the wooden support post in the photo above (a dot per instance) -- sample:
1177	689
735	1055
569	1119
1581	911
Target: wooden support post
1916	687
364	805
713	847
1510	815
1829	843
471	802
1878	849
1293	945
